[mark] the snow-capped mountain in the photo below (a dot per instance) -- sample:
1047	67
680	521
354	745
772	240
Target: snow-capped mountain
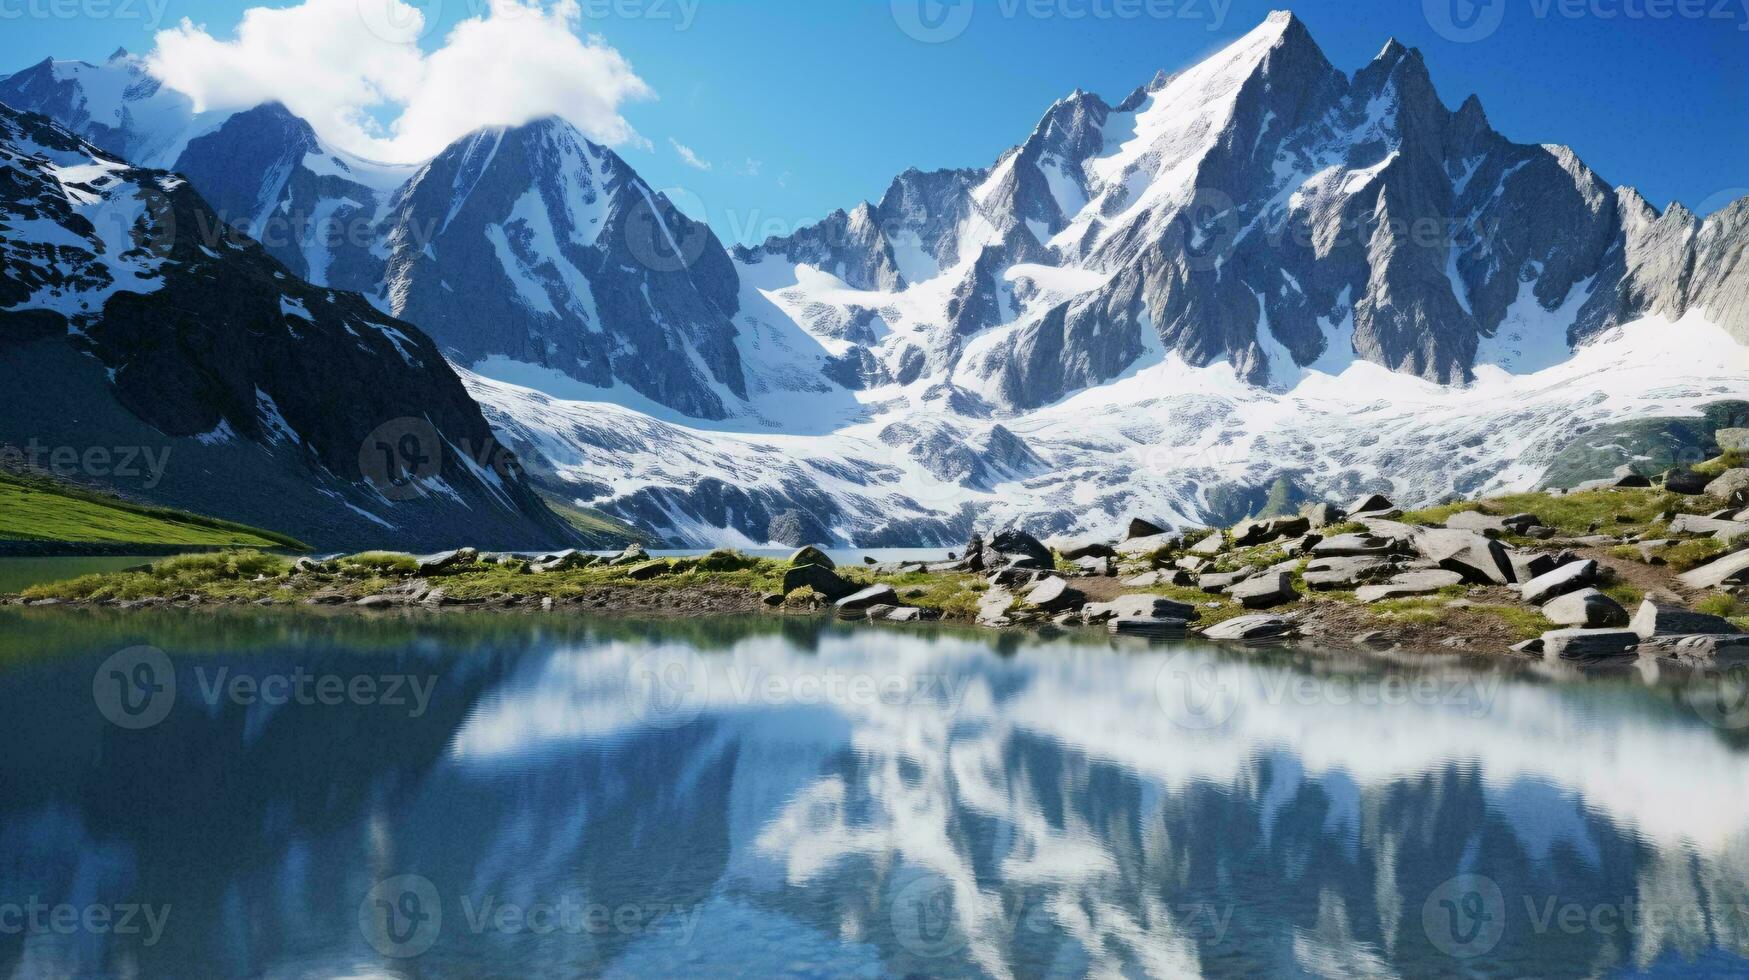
251	394
1138	309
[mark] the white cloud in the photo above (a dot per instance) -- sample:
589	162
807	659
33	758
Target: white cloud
751	168
344	64
688	157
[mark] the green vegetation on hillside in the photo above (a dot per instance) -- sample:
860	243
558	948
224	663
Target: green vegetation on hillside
38	509
600	531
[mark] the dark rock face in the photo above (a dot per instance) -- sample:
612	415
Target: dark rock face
277	403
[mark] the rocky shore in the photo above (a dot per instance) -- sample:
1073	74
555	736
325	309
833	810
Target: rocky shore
1622	569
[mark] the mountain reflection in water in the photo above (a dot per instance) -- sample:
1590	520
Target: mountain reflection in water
787	797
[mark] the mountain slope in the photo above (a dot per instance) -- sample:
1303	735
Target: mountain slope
271	401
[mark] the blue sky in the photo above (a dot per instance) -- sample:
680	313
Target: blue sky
803	106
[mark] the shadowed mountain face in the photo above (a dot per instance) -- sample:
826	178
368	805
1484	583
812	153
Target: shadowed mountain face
814	799
267	400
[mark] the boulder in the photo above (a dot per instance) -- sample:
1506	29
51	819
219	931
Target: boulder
1016	575
1256	627
1355	545
1220	581
1732	440
905	614
633	554
1732	486
647	570
1590	646
993	607
1191	564
1587	608
1149	544
377	602
1087	549
1262	530
974	558
1731	569
1092	565
1345	572
1712	650
1164	576
1263	591
446	561
821	579
1409	584
1140	528
1214	544
1139	607
1695	524
1570	577
807	554
1474	556
1371	503
1323	515
1017	544
1153	628
1475	520
1686	482
874	595
1667	619
1527	565
1054	595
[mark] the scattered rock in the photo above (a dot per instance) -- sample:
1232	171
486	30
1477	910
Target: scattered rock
446	561
1570	577
1667	619
1373	639
819	578
1054	595
1016	576
1263	591
1720	528
1323	515
1262	530
1703	650
1092	565
1345	572
1213	544
1475	520
905	614
1192	564
993	607
1140	528
1732	486
632	554
1139	607
1587	608
1409	584
809	555
1164	576
1257	627
874	595
1220	581
773	599
648	570
1476	557
1534	645
1355	545
1590	646
1732	568
1372	503
1527	565
1087	549
1017	544
1149	545
1686	482
1154	628
1732	440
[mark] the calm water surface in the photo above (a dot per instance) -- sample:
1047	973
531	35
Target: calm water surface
274	795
